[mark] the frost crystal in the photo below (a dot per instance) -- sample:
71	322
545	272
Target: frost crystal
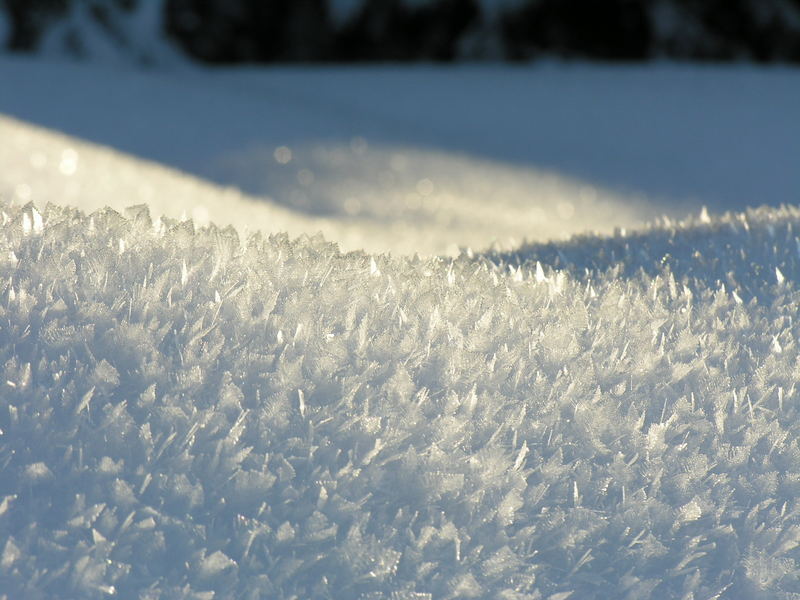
191	414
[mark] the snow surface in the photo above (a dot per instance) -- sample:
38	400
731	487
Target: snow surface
648	139
189	410
386	201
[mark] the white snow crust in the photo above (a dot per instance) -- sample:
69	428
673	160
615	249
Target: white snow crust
189	413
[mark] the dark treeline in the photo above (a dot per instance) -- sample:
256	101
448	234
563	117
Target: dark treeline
232	31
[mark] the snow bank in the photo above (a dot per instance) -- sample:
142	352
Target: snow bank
187	413
661	139
402	200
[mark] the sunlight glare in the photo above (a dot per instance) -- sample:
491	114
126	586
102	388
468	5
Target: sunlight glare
565	210
283	155
23	192
352	206
38	160
305	177
425	187
69	162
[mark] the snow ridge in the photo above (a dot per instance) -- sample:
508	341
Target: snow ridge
185	413
743	252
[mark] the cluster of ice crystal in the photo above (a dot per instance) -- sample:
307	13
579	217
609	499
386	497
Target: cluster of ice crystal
185	413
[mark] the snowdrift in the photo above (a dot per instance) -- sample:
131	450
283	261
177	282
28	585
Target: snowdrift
190	413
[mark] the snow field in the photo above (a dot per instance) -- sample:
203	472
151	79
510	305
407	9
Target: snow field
401	200
412	156
190	410
190	413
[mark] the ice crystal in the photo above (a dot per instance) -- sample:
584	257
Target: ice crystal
189	413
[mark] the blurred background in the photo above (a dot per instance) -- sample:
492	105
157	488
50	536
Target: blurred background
235	31
405	125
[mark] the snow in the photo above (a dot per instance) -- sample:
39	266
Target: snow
191	411
287	166
414	216
655	139
202	398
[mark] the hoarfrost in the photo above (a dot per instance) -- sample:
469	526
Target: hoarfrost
611	417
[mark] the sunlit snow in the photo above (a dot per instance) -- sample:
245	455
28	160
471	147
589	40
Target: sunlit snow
557	149
201	397
186	410
379	202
